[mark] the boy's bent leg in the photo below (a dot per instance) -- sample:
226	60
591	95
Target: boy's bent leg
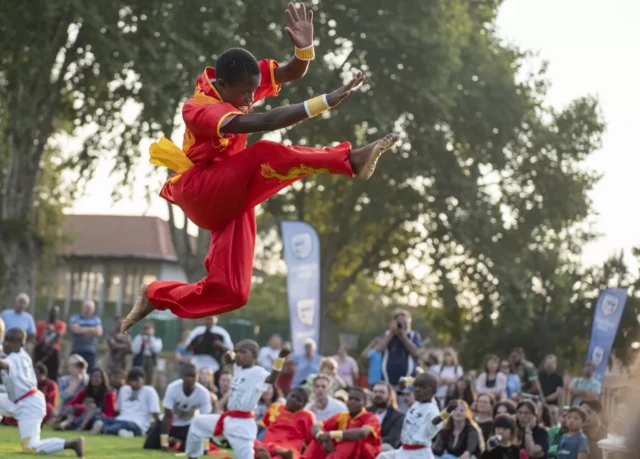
29	427
201	429
229	265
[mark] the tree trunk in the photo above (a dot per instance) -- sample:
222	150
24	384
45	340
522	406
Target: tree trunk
19	253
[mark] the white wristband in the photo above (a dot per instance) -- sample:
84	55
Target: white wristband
306	108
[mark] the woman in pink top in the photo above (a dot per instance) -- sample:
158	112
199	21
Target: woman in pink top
491	381
347	366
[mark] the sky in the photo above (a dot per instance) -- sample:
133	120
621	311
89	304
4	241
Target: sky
591	47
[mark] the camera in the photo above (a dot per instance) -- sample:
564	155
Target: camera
495	441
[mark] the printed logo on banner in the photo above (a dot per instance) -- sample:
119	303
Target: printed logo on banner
610	304
306	310
301	245
597	356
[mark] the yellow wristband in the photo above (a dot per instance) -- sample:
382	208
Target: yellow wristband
316	105
336	435
278	364
444	415
306	54
164	440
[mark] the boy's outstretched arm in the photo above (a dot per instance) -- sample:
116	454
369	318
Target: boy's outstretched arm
300	31
289	115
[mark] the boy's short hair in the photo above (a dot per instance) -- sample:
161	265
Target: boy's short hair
595	405
578	411
136	373
236	64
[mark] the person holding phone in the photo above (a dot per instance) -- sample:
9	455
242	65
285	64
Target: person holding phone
501	444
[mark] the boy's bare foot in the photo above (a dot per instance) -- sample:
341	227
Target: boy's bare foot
284	454
140	310
77	445
363	160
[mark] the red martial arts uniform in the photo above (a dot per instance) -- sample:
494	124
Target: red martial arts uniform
218	185
286	430
368	448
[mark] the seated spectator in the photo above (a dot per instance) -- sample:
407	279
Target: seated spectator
209	342
329	368
587	387
137	404
503	443
224	389
347	367
526	371
183	399
270	396
342	395
551	380
145	348
97	400
400	349
504	407
183	355
491	381
207	379
48	387
306	364
514	387
557	431
408	396
448	373
531	437
119	345
359	432
574	444
461	390
460	437
595	430
269	353
288	427
324	406
285	382
375	361
554	416
484	414
385	407
117	380
72	384
49	334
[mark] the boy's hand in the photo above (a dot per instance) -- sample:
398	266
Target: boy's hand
284	353
300	28
337	96
453	404
228	358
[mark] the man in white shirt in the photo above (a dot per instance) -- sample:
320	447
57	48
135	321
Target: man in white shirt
137	405
324	406
146	347
237	424
183	399
209	343
422	422
269	353
24	402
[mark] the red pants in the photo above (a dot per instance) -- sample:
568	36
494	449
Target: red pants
221	198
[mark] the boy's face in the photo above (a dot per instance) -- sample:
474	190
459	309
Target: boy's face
355	403
11	345
504	432
574	422
422	392
136	384
244	357
239	94
295	400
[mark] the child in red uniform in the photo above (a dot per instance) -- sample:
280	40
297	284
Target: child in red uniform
354	434
288	427
219	181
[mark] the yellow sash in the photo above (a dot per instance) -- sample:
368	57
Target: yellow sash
167	154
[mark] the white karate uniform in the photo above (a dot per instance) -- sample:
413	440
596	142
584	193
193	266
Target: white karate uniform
417	429
246	389
29	411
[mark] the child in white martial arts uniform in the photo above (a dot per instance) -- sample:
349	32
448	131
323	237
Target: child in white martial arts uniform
422	422
237	424
24	402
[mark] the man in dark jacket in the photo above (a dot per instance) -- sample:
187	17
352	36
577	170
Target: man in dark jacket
391	420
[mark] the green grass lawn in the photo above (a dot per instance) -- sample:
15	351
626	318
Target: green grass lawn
96	447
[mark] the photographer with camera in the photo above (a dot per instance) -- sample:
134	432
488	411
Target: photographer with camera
400	348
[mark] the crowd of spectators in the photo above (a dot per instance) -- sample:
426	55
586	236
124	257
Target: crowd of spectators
506	405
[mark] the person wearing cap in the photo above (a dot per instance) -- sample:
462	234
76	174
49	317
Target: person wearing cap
18	317
307	364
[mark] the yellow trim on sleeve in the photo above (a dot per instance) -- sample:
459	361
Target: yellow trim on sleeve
224	117
272	69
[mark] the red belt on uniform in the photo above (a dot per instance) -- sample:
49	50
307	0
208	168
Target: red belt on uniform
231	414
28	393
413	447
